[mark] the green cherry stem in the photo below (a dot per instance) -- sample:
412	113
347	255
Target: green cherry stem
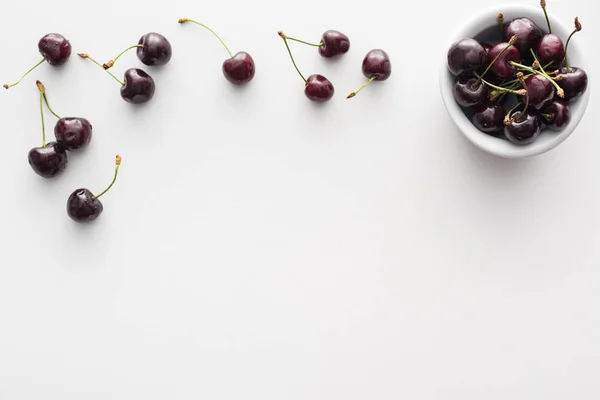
500	20
84	55
537	62
508	119
184	20
304	42
118	160
42	88
112	62
543	4
499	88
284	37
510	43
351	95
559	90
578	28
6	86
522	79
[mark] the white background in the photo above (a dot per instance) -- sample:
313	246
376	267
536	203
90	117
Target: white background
257	246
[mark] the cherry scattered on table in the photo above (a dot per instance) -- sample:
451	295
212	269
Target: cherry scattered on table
376	66
333	43
153	49
54	48
239	68
83	206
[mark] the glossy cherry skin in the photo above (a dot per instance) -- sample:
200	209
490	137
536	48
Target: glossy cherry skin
377	64
489	118
73	133
55	48
465	56
468	92
48	161
83	207
318	88
155	50
540	90
573	82
524	129
239	69
557	115
528	34
138	88
334	43
550	49
502	68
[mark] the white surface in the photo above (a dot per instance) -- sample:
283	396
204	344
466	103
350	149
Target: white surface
259	247
498	146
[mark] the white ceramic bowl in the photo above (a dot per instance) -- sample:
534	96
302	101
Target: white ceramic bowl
548	139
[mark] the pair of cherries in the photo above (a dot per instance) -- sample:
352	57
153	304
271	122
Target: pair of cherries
544	89
375	66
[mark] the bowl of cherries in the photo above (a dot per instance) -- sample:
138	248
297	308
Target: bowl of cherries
514	81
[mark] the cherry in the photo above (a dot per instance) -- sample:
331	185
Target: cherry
153	49
317	88
376	66
550	51
137	88
573	81
73	133
465	56
539	90
469	91
528	34
489	118
505	53
239	69
557	115
83	206
332	44
50	159
523	127
55	49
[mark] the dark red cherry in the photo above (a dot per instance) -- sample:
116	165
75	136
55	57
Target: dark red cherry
528	34
318	88
557	115
82	206
540	91
73	133
139	86
574	82
48	161
502	67
377	64
550	50
334	43
489	118
55	48
465	56
239	69
524	128
155	50
468	92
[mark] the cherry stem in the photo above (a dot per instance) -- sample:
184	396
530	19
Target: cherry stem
522	79
183	20
112	62
559	90
578	28
42	115
118	160
284	37
371	79
84	55
500	20
499	88
42	89
537	61
543	4
508	119
510	43
308	43
6	86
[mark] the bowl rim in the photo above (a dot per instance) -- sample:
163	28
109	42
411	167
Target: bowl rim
497	146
